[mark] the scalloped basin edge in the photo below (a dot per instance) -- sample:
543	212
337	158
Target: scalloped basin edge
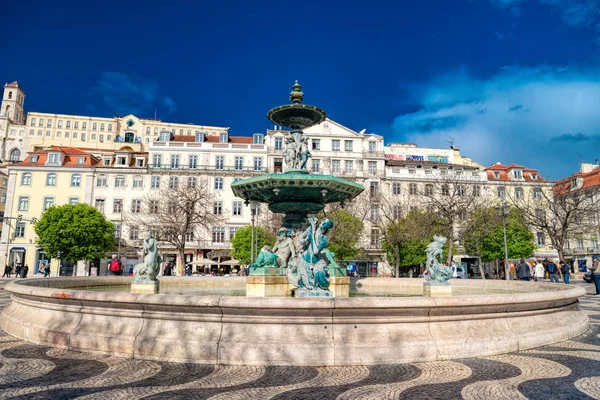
289	331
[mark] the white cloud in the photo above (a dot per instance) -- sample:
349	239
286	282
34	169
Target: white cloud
542	117
123	94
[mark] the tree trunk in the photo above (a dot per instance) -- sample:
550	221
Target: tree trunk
397	253
481	267
450	248
181	268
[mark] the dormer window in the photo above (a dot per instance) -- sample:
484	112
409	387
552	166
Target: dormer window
497	175
199	137
139	162
518	174
33	159
223	138
107	161
53	158
81	160
534	176
121	160
258	138
165	136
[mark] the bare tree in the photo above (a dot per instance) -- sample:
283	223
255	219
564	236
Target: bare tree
561	211
452	196
480	225
177	215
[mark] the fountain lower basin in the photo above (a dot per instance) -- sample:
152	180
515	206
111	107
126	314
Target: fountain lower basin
224	329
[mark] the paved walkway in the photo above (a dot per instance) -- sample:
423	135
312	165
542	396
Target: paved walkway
567	370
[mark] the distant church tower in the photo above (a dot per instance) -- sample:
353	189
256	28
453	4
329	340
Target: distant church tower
11	112
12	104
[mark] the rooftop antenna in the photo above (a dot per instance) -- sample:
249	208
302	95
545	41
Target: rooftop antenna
580	158
450	142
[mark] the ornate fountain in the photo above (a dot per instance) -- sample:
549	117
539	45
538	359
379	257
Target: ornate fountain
300	262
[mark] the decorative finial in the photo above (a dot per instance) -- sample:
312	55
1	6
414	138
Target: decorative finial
296	95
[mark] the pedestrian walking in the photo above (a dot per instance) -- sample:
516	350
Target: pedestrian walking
18	271
523	272
553	271
539	273
6	271
595	273
24	271
564	271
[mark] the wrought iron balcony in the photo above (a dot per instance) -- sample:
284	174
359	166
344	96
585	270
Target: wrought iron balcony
208	168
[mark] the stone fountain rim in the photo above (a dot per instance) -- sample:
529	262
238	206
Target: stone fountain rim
40	288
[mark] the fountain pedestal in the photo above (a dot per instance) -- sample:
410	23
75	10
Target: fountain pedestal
436	289
145	288
268	286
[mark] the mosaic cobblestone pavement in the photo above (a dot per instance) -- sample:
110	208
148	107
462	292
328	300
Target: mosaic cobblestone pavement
566	370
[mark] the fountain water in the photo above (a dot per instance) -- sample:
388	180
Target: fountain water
300	262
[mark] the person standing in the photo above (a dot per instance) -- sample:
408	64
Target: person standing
595	273
523	272
564	271
539	273
6	271
553	271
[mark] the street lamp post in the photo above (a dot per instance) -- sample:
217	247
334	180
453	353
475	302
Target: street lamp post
503	212
252	214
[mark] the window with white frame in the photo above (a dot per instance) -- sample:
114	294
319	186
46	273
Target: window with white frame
348	145
501	192
219	162
218	207
23	203
223	138
32	121
119	181
517	174
372	167
348	166
372	147
84	125
218	234
101	127
193	164
375	237
157	160
94	126
218	183
519	193
136	206
429	190
541	240
155	182
335	166
60	125
412	188
20	229
173	182
107	161
134	233
278	143
579	244
121	161
99	204
477	190
175	161
460	190
26	179
48	202
239	163
80	160
53	158
537	194
232	231
335	145
73	200
101	181
138	182
41	122
258	138
76	180
396	188
316	166
117	205
257	163
237	208
396	212
191	182
110	127
316	144
76	126
153	206
49	124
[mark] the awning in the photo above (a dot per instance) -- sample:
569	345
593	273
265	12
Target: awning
231	262
204	261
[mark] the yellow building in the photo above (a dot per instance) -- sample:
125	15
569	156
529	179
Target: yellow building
44	178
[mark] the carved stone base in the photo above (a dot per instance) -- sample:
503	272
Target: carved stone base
339	286
145	288
313	293
437	289
267	286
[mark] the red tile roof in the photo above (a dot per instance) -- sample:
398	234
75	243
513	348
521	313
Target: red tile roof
214	139
587	179
13	84
72	154
503	173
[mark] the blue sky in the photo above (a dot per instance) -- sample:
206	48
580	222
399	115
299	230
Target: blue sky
515	81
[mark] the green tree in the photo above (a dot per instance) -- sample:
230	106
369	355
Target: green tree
242	242
347	230
519	238
482	224
405	239
75	232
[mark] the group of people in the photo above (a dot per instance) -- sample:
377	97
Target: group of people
525	272
21	271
